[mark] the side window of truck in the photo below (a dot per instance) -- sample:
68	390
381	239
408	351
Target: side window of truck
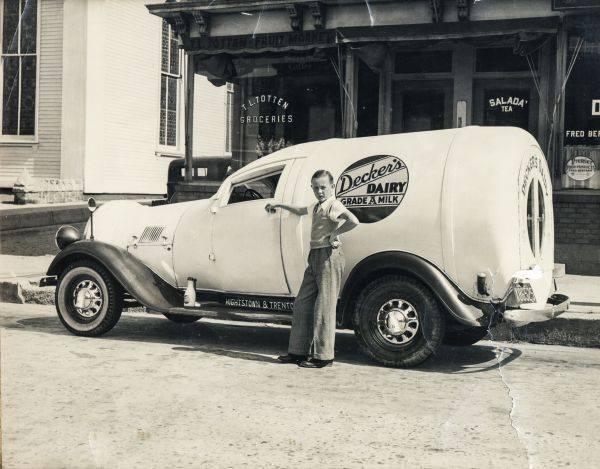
263	187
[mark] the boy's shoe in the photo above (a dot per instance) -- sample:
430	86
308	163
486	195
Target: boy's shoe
291	358
315	363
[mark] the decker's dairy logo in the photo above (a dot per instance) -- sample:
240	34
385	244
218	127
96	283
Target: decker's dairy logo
373	187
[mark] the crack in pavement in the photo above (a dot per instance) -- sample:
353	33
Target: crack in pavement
499	353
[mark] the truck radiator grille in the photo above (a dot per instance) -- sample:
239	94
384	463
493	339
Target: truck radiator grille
151	234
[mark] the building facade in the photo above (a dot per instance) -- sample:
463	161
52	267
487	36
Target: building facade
308	70
93	93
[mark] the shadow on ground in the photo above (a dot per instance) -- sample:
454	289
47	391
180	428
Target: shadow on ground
261	343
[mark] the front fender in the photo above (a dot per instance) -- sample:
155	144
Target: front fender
464	309
133	275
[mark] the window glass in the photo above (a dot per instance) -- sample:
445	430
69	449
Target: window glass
541	214
19	69
165	47
530	220
28	79
10	23
259	188
170	81
421	105
423	62
278	100
10	98
502	59
506	107
581	153
28	26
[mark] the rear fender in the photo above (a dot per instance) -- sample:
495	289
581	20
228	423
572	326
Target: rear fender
464	309
134	276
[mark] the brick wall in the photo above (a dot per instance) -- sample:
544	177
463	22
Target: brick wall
577	232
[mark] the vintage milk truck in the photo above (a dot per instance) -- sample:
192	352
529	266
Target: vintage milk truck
456	235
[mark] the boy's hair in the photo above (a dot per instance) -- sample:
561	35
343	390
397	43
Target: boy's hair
321	173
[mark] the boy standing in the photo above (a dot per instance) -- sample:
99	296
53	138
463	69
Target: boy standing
314	313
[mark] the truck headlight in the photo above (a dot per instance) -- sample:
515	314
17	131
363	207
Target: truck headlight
66	235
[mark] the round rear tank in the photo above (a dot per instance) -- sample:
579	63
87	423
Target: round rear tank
497	213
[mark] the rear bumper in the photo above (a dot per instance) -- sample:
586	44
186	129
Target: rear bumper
556	305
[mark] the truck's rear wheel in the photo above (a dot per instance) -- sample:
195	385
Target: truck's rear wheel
398	322
88	300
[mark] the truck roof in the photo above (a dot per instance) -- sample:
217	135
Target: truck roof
404	141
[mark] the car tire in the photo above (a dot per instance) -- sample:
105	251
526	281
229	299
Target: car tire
99	295
405	302
465	337
181	318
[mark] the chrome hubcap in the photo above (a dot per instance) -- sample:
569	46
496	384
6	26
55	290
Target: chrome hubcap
87	298
397	321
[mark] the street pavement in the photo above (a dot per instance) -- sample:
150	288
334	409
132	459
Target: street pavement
152	393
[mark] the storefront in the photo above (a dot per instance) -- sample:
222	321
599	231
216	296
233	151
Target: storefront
311	70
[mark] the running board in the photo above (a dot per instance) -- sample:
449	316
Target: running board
216	310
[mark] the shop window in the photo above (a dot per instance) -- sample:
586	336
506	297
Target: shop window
424	62
19	67
502	59
283	101
260	188
581	153
506	102
506	106
170	86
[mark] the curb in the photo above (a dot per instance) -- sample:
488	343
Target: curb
22	291
569	329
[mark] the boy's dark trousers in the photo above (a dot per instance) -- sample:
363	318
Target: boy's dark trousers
314	314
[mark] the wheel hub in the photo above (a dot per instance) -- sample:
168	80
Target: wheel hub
87	298
397	321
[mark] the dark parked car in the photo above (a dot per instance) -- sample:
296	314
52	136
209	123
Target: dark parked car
208	173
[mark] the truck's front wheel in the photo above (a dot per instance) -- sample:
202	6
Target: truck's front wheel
89	301
398	321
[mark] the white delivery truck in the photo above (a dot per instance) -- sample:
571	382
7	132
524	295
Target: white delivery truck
456	235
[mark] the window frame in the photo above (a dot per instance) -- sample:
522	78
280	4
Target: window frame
274	171
21	139
229	111
245	175
536	220
177	149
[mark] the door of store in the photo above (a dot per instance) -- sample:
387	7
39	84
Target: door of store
421	105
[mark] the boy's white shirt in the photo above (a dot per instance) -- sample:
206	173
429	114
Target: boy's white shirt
335	209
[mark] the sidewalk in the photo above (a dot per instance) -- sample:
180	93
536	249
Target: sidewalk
579	326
